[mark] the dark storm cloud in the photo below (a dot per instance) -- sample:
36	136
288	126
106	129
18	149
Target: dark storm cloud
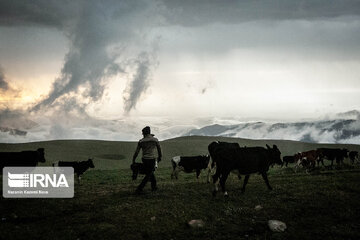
95	27
3	83
50	13
187	12
140	82
190	13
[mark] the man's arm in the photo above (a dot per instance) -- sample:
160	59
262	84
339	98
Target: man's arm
136	152
159	151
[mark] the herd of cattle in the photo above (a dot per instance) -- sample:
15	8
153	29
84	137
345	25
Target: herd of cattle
32	158
223	159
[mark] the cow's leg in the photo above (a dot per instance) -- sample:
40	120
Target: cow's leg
246	179
264	175
222	182
177	170
215	181
239	176
173	174
197	173
208	174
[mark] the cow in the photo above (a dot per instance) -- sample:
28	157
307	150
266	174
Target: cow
246	160
79	167
353	155
190	164
23	158
308	159
287	160
332	154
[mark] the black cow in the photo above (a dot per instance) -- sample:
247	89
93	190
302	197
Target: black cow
24	158
353	155
79	167
332	154
190	164
287	160
247	160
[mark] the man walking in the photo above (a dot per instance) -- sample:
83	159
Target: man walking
148	145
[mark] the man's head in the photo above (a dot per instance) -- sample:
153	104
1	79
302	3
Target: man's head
146	130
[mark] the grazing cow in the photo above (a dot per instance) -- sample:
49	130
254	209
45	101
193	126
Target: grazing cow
190	164
24	158
79	167
308	159
332	154
287	160
247	160
353	155
138	168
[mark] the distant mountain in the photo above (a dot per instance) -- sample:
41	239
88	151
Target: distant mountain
326	131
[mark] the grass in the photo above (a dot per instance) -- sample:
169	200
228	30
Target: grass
321	205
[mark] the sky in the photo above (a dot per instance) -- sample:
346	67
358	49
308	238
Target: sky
183	60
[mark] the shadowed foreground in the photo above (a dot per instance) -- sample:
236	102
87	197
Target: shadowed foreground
322	205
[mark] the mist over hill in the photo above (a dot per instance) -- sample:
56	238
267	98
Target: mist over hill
344	128
336	128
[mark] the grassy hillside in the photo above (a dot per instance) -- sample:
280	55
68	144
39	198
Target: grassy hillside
117	155
324	205
320	205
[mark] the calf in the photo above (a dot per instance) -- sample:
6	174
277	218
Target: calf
353	155
308	159
248	160
79	167
287	160
138	168
24	158
190	164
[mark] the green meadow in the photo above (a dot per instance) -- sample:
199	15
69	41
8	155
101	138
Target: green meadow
322	204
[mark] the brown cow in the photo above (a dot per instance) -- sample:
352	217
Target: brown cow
307	159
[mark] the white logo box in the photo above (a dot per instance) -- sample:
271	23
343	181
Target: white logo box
38	182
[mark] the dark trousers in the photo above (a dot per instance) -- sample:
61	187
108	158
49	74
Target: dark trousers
149	165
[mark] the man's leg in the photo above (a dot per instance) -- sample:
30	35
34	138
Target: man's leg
149	165
143	183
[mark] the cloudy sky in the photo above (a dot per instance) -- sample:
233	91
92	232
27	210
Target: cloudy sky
181	59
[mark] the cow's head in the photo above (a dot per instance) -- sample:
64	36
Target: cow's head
297	157
275	155
90	162
41	154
